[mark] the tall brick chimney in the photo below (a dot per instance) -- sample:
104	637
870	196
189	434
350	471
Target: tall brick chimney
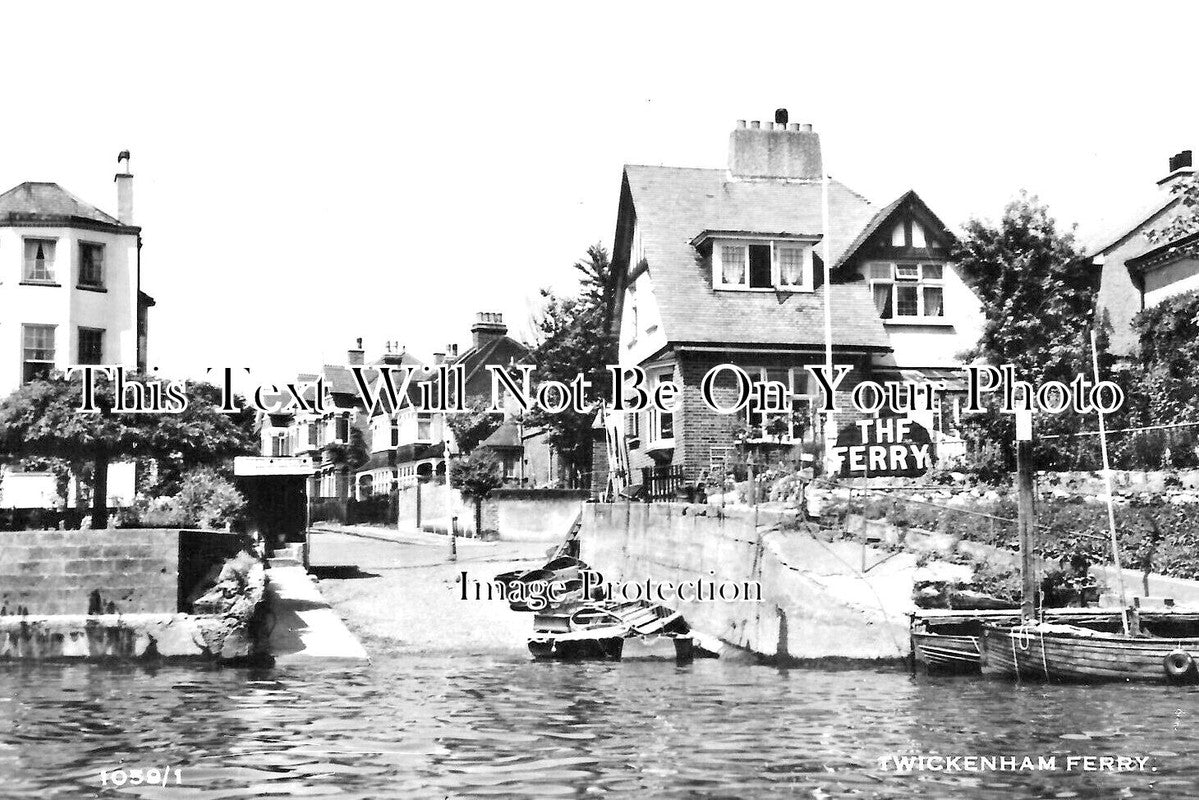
488	325
778	149
124	181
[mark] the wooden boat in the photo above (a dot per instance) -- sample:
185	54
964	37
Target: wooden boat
941	652
951	640
1050	651
1054	651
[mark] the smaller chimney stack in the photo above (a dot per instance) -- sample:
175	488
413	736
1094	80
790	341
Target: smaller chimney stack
355	356
124	181
1180	167
438	358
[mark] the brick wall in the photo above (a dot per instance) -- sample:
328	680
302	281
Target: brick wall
67	572
699	429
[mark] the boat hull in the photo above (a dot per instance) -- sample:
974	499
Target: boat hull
947	653
1029	653
658	648
597	648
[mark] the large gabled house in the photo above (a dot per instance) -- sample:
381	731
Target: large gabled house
723	266
1136	273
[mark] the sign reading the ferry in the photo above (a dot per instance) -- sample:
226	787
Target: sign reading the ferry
885	447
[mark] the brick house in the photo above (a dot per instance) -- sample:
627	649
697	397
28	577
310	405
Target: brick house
723	266
1134	273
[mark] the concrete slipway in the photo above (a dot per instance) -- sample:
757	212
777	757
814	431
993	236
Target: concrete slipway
304	625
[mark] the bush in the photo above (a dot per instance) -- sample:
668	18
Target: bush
205	500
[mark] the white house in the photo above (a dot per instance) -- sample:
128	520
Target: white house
70	292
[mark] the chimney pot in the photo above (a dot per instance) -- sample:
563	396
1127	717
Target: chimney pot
124	181
780	116
806	127
792	126
740	124
755	124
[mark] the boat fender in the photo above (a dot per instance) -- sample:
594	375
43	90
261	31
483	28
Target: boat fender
1179	664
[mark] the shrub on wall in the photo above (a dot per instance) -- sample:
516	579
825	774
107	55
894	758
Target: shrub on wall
205	500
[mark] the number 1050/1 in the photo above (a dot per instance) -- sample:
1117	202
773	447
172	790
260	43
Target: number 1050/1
136	777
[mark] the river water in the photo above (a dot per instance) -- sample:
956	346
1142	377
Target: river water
415	726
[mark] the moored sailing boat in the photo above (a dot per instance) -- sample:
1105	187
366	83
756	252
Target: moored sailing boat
1038	649
1070	653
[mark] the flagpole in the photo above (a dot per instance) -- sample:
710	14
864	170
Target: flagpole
830	430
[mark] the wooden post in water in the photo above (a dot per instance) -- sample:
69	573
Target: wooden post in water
1027	526
1111	510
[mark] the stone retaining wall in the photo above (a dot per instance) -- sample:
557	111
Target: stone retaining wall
816	600
89	572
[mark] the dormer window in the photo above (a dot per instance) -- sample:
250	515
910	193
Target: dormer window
770	265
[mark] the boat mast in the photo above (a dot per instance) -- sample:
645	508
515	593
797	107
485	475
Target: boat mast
1107	477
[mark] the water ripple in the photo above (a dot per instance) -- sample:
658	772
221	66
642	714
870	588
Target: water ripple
492	727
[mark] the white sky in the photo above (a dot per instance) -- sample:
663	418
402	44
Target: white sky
307	174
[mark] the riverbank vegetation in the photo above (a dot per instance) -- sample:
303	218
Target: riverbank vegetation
1154	535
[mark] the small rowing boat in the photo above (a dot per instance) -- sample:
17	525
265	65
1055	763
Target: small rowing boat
611	631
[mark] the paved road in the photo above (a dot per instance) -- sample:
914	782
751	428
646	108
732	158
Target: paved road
409	597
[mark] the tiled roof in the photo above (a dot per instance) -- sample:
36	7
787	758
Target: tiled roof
673	205
339	379
506	436
49	202
477	358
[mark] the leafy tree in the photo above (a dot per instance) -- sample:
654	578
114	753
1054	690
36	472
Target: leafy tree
42	419
474	425
475	476
1037	291
569	341
1037	296
1186	221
